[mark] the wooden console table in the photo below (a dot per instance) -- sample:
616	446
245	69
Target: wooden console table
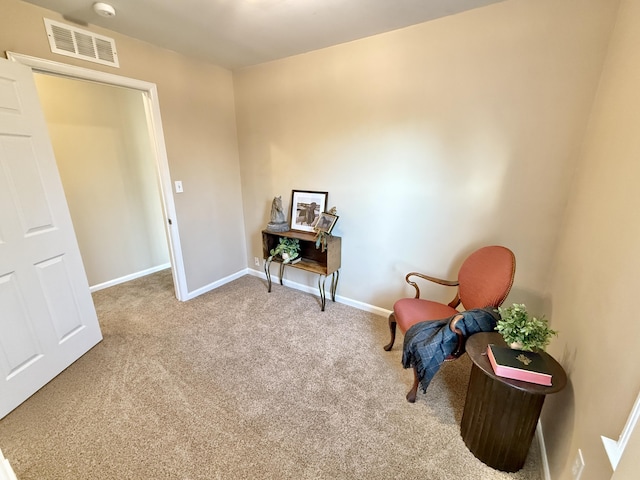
312	259
500	414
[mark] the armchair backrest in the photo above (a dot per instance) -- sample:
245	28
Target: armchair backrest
485	277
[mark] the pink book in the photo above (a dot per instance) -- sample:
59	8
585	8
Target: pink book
519	365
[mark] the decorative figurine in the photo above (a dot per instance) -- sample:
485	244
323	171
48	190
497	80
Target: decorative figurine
324	231
278	221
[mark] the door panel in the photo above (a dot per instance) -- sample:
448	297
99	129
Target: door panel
17	341
47	317
25	184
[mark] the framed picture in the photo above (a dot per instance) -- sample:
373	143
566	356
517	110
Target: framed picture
325	222
306	208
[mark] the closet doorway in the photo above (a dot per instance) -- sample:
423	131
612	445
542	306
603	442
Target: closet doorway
103	152
107	138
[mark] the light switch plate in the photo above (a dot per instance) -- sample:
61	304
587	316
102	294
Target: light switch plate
178	185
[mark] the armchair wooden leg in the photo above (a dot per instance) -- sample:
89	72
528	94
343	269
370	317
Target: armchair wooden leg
411	395
392	329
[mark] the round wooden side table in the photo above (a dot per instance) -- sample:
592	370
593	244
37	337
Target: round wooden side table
500	415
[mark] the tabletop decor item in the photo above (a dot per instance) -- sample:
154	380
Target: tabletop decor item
518	365
287	248
323	227
278	220
522	331
306	207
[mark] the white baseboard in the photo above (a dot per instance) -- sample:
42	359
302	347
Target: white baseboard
216	284
544	461
6	472
247	271
129	277
314	291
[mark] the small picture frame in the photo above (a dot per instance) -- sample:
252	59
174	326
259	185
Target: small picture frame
325	222
306	207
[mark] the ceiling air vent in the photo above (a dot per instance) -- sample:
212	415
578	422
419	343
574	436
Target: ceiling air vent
83	44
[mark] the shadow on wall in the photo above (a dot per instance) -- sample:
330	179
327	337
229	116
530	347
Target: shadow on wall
536	304
562	404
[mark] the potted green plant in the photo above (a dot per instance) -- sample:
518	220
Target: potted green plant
523	331
287	248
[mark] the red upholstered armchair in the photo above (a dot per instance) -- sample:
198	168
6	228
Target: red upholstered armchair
484	280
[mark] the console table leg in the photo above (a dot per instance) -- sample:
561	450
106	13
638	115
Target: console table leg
334	284
281	273
267	272
321	286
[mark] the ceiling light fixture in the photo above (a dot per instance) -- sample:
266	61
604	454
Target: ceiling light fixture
104	9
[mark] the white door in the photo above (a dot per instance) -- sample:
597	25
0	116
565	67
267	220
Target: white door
47	317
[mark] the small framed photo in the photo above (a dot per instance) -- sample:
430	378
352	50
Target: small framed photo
306	208
325	222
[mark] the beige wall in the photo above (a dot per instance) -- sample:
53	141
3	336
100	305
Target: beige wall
431	140
596	280
466	131
103	150
197	107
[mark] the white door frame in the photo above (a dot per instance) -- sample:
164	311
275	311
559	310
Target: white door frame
152	107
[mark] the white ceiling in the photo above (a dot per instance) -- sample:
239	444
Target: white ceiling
239	33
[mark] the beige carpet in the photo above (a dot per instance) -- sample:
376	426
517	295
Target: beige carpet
241	384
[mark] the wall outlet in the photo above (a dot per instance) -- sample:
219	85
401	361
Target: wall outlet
578	466
256	260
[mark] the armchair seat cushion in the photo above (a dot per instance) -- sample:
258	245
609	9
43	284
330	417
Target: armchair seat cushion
409	311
